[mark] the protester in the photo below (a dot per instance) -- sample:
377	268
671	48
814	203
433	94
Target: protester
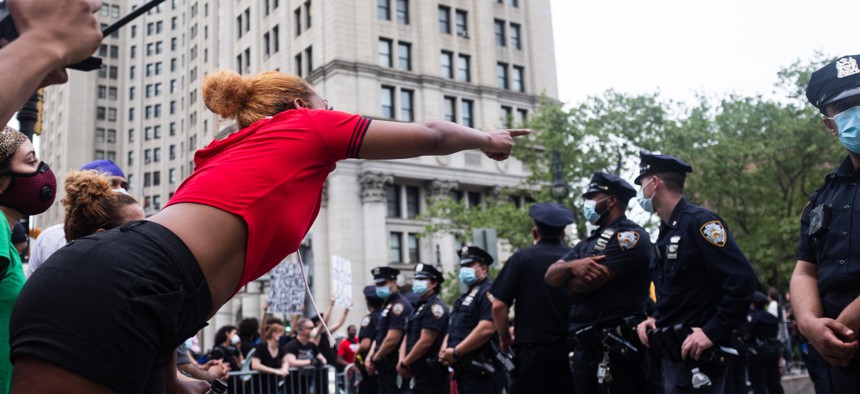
250	201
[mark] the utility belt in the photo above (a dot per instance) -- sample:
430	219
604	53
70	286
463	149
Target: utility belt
484	361
618	337
666	342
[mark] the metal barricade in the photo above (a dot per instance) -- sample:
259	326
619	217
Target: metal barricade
348	379
306	380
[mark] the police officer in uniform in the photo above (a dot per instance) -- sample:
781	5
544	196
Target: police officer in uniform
703	280
764	348
389	333
825	296
608	276
471	329
366	336
425	331
540	346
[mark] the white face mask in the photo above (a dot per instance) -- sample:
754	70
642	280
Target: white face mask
235	339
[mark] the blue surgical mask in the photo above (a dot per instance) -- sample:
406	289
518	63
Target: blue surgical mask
468	275
848	124
383	292
420	287
589	210
646	203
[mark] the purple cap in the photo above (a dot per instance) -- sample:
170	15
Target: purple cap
104	166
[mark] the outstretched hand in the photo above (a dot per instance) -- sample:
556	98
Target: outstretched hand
501	142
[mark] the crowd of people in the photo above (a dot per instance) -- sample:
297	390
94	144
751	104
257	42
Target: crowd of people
114	297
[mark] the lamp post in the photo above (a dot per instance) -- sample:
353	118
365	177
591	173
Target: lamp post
559	189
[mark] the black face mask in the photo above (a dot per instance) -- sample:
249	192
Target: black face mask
33	193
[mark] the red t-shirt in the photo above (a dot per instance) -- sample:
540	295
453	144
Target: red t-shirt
271	174
347	349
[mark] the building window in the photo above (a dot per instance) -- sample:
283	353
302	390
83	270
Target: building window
387	100
404	55
500	32
444	19
502	75
275	40
171	176
307	14
297	20
111	135
468	119
111	115
447	60
407	114
130	160
414	250
395	248
463	72
309	58
413	202
100	135
100	154
450	106
102	91
156	155
518	75
522	116
383	9
403	12
384	52
172	151
392	198
507	116
462	26
298	61
156	178
267	45
101	113
516	43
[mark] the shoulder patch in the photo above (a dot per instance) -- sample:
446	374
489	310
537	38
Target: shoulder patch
714	232
397	309
490	297
365	321
438	311
627	239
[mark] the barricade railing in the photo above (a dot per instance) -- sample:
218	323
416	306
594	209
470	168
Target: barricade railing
307	380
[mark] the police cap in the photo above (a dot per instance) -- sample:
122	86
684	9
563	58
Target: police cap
550	214
384	274
370	293
835	81
650	163
602	182
471	254
427	271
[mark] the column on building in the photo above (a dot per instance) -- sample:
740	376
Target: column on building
374	227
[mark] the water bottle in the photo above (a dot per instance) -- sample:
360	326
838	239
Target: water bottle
217	387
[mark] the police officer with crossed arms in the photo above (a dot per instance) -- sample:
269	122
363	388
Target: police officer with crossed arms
468	347
608	276
703	281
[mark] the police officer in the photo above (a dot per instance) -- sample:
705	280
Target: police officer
608	276
425	331
471	329
366	335
540	347
703	280
825	297
765	348
390	331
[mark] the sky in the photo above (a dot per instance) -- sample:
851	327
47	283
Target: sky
681	47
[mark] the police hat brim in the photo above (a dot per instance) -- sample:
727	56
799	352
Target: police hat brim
842	95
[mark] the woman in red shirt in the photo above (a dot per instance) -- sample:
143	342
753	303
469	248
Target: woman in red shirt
248	204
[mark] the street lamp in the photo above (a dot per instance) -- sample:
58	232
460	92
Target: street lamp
559	189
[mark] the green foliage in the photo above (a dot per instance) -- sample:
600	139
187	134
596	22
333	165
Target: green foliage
756	161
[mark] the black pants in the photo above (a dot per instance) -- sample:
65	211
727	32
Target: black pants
470	383
628	376
845	379
818	369
677	378
764	372
430	378
388	378
541	369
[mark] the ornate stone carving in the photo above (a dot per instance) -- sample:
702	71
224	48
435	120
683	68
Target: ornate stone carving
373	186
440	188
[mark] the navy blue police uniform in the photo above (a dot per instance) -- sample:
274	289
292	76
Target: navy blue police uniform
428	374
393	317
701	278
469	310
764	347
617	305
826	236
369	324
540	340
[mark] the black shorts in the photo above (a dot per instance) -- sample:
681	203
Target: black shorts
113	306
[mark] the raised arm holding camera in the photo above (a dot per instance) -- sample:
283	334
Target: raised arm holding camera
52	34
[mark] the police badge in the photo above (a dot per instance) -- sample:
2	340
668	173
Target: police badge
846	66
714	233
397	309
627	239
